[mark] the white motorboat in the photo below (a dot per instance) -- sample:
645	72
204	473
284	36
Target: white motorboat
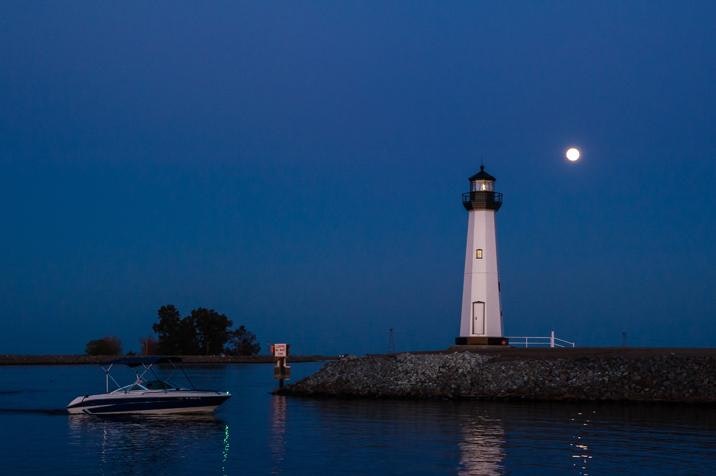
147	396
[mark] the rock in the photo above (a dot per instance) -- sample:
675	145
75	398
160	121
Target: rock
655	376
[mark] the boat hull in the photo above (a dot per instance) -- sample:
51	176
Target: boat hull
179	402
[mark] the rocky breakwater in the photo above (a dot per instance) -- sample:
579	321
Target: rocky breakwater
646	375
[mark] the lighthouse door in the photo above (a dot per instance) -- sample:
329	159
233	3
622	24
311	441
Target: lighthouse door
478	318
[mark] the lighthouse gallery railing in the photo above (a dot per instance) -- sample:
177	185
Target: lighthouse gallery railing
482	199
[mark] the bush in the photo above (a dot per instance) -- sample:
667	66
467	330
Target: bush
105	346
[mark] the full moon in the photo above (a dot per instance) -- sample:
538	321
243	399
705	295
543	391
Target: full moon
572	154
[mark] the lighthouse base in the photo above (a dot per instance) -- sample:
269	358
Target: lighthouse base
479	340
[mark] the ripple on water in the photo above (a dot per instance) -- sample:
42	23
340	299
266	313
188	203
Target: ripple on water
256	433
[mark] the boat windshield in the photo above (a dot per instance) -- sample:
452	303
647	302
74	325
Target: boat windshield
158	385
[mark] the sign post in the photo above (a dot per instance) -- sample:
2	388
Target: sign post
281	369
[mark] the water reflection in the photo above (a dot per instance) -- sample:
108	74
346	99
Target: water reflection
225	451
400	437
482	446
157	445
278	433
581	452
260	434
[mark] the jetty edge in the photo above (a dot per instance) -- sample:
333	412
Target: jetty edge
583	374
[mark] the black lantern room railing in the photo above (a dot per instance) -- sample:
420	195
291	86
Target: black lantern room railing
482	200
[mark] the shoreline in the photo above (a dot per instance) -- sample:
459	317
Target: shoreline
518	374
8	359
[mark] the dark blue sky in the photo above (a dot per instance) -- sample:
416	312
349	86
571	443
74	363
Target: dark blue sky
299	165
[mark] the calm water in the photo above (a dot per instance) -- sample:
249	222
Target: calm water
255	433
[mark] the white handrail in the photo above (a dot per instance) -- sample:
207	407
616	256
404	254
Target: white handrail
549	340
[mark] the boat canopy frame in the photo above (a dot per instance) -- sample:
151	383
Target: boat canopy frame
147	363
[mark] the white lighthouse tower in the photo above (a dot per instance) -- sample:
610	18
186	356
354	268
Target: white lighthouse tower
481	317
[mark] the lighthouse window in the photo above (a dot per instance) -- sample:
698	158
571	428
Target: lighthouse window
482	186
478	253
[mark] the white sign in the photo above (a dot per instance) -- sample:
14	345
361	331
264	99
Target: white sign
280	350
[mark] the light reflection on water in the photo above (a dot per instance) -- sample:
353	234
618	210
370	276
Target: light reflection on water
482	447
225	452
581	453
146	444
256	433
278	430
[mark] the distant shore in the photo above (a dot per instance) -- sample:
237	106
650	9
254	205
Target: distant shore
6	359
503	373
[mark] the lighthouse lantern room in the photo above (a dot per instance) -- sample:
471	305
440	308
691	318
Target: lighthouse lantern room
481	315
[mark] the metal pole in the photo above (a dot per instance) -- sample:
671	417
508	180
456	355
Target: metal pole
551	339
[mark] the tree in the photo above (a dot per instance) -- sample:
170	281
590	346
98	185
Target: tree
204	331
109	345
175	335
212	330
242	342
166	329
186	338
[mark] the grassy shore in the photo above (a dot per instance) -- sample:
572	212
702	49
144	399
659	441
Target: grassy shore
6	359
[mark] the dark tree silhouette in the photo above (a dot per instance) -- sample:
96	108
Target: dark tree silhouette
242	342
212	330
204	331
109	345
167	329
187	338
175	335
